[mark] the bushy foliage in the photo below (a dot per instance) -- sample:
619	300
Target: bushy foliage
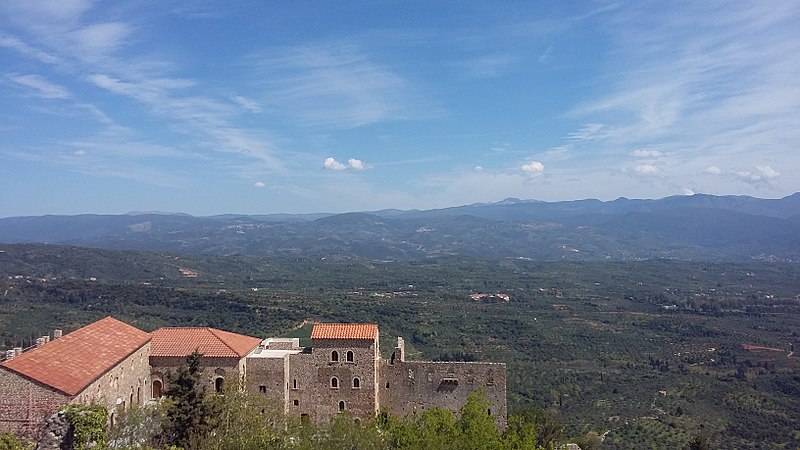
88	425
9	441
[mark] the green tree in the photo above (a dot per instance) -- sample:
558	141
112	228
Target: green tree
549	431
190	417
246	421
476	424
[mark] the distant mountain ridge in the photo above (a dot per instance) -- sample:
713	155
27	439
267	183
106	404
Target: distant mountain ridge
697	227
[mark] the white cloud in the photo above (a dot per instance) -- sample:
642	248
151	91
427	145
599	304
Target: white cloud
332	164
767	172
533	168
646	169
79	153
478	168
713	170
99	40
587	132
259	184
247	104
687	191
42	87
352	163
646	154
761	174
25	49
355	164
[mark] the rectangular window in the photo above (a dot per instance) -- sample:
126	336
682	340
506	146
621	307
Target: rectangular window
262	389
297	403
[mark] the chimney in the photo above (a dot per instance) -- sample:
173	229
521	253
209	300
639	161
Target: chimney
17	351
10	353
57	333
400	350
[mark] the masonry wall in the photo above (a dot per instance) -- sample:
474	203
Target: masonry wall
25	404
414	386
268	377
211	368
126	384
313	372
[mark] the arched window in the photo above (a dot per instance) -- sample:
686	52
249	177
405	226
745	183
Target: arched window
341	405
349	356
218	382
334	356
157	387
356	383
334	383
294	383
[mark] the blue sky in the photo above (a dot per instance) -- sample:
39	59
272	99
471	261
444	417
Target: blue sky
300	106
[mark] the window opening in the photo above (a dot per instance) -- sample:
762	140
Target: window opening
262	389
335	383
349	356
334	356
341	405
356	383
218	384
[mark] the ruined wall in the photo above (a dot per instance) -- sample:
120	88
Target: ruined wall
313	393
126	384
25	404
268	377
414	386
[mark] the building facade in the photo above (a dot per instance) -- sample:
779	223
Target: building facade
105	363
116	365
343	371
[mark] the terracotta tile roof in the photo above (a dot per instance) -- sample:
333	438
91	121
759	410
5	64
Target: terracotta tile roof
181	341
367	331
73	362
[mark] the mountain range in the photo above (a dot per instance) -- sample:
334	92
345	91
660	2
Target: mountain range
696	227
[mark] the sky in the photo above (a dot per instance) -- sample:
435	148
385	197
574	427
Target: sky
258	107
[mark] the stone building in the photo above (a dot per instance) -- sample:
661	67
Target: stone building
105	363
343	371
116	365
223	355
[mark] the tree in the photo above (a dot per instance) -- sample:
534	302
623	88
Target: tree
698	442
477	426
190	417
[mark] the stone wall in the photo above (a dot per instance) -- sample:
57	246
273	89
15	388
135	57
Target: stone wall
355	389
211	368
414	386
126	384
268	377
25	404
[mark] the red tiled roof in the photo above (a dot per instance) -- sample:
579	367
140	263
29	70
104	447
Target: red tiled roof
182	341
73	362
366	331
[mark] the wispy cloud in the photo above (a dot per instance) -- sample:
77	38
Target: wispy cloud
337	85
705	81
248	104
41	87
27	50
